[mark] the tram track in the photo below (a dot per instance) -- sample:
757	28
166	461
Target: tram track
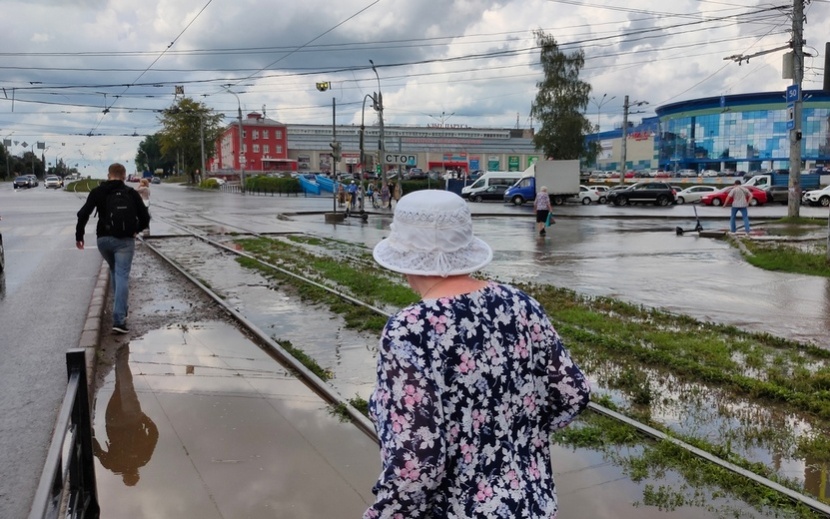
335	399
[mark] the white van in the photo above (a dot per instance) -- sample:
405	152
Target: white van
491	178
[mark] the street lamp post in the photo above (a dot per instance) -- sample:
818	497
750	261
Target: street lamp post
7	142
599	104
241	154
363	130
379	108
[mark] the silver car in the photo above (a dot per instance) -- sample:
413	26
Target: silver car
693	194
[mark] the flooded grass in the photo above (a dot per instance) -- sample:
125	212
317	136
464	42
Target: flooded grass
750	398
783	257
643	459
305	359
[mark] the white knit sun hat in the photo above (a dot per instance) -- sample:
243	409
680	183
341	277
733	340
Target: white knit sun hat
432	235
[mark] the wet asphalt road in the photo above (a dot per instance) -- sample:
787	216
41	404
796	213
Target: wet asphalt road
44	296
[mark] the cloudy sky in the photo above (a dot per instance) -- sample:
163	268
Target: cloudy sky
88	77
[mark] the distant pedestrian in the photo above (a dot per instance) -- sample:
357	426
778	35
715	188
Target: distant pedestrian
121	216
740	197
370	194
542	206
341	194
144	190
384	196
397	192
352	191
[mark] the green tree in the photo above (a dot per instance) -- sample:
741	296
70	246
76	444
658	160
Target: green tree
182	127
561	103
149	155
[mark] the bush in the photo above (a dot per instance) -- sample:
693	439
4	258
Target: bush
273	184
209	183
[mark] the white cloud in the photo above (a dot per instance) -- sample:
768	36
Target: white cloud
65	61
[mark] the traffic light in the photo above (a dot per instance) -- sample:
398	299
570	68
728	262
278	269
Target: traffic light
335	149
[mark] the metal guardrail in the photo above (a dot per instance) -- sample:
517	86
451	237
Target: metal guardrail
67	485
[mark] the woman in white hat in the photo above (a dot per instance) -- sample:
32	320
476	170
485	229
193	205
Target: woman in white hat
472	379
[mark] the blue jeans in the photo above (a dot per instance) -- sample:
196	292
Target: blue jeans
735	211
118	253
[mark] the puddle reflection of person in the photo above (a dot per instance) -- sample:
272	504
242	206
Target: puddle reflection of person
132	435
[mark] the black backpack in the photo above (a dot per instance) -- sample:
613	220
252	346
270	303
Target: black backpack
120	216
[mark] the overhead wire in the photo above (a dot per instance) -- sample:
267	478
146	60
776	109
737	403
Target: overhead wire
641	33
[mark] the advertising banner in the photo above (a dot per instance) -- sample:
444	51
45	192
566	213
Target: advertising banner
493	163
475	162
532	160
513	163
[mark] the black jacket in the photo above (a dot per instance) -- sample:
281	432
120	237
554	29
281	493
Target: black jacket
97	199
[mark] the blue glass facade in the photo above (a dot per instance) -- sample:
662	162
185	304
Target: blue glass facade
742	132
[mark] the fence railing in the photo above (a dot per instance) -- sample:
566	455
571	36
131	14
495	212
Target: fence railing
67	485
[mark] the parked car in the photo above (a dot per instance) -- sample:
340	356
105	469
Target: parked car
493	192
25	181
759	197
709	173
602	191
155	180
53	181
817	197
658	193
693	194
415	174
588	195
778	194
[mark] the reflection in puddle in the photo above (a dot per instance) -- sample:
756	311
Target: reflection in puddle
131	434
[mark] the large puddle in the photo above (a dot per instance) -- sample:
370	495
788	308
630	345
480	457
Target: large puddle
759	433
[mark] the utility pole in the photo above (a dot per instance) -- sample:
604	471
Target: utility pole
794	200
335	153
381	145
626	107
201	143
624	139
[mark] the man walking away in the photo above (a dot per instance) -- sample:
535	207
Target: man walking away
740	197
121	216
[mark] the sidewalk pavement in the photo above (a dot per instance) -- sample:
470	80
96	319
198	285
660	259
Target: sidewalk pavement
193	419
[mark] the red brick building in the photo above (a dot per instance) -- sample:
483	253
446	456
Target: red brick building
264	147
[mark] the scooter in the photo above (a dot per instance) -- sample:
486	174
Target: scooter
698	227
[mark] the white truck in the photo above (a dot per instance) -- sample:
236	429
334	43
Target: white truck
561	177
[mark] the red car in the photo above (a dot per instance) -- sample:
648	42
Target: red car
759	197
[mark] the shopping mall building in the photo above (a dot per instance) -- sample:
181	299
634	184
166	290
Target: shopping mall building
269	145
742	132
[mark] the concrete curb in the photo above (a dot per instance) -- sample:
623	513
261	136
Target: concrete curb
91	334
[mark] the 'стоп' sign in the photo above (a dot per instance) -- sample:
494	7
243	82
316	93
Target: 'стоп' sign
397	158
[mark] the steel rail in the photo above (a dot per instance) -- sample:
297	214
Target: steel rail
808	501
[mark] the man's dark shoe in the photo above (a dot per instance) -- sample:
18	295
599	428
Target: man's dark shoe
120	328
542	232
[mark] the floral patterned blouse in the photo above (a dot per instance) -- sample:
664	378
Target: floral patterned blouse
469	391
